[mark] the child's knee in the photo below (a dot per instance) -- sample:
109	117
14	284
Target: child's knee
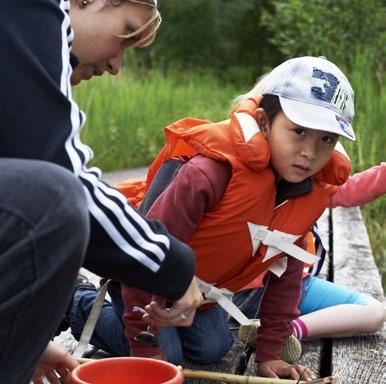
211	352
377	318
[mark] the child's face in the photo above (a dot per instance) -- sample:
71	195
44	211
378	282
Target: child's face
96	41
297	152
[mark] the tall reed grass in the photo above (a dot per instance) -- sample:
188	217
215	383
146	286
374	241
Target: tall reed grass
127	114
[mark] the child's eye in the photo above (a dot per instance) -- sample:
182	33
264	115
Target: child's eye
300	131
329	139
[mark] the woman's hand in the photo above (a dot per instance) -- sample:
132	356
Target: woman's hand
54	363
180	314
279	368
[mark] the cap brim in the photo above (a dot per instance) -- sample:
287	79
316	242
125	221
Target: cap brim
316	117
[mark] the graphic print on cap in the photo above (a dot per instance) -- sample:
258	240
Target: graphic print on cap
329	89
344	125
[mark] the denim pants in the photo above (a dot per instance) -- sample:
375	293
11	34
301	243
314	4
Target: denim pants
44	230
205	342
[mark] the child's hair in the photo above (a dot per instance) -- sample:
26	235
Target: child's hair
145	35
270	103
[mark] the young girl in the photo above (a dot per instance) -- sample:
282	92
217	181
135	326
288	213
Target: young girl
327	308
248	192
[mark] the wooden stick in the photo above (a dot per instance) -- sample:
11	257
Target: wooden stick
237	379
82	360
327	379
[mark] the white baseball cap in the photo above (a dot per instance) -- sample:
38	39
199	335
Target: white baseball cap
314	93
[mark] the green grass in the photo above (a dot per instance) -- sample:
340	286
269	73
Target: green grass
126	116
369	83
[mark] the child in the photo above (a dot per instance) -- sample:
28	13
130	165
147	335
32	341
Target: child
326	308
251	187
318	322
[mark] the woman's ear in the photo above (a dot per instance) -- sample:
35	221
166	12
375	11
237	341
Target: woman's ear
262	121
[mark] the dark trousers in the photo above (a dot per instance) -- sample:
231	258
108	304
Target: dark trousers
44	230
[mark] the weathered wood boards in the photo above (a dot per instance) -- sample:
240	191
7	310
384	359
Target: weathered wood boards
358	359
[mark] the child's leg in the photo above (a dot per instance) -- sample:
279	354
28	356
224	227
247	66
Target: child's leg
209	338
170	342
330	310
109	332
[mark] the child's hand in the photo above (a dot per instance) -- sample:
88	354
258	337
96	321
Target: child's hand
279	368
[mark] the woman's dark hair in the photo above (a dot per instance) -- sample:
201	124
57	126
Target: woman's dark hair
271	106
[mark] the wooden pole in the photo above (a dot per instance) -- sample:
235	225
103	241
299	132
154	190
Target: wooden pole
237	379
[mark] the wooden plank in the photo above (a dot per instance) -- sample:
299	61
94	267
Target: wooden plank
357	359
353	260
313	348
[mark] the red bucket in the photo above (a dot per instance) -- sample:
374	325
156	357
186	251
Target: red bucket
127	370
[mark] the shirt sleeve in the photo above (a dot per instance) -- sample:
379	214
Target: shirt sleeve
197	188
361	188
134	324
40	120
278	309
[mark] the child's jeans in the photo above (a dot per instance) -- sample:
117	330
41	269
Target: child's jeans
209	338
206	341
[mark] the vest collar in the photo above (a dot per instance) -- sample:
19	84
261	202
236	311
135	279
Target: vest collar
286	190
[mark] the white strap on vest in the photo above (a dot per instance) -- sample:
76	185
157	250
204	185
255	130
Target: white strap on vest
278	242
224	298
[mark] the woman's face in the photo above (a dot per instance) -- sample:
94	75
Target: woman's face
96	41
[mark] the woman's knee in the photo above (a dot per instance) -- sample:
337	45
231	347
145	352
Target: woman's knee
34	189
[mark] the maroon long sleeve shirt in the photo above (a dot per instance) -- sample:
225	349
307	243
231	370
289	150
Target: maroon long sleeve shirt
198	188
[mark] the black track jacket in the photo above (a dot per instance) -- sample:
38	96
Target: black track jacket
39	120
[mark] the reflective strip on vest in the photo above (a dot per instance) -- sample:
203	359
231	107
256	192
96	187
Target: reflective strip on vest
278	242
224	299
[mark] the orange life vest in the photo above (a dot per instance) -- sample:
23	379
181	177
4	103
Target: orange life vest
226	254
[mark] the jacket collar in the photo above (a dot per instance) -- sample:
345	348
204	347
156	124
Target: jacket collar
286	190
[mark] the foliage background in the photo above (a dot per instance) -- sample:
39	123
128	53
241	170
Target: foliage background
209	51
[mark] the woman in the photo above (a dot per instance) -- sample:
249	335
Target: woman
104	29
40	138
